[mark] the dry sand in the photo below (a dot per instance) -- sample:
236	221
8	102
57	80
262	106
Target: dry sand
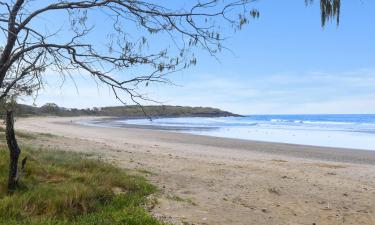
207	180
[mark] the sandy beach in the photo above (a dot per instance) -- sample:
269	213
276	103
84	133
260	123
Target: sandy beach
208	180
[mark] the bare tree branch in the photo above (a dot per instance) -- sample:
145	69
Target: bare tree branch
130	57
125	62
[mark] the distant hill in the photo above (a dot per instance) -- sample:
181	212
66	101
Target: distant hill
131	111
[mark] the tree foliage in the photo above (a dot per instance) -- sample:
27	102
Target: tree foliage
329	9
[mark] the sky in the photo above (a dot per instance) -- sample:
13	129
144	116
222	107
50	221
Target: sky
282	63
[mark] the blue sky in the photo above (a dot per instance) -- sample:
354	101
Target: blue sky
284	62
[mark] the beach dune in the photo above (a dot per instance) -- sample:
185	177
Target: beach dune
209	180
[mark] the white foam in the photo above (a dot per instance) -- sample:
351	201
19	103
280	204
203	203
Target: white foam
295	131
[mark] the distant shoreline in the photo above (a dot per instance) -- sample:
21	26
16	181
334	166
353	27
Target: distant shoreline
129	111
102	122
318	130
349	155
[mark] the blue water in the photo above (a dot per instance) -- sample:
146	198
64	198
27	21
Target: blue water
347	131
349	122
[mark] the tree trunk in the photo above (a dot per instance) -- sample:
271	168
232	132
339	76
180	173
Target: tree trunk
14	152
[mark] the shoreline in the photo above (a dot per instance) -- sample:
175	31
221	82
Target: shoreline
324	137
219	181
336	154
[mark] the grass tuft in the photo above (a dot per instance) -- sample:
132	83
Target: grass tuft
66	188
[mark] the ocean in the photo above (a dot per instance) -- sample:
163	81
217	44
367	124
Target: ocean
355	131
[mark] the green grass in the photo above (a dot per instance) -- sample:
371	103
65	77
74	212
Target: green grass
67	188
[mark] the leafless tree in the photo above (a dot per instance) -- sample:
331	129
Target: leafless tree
56	36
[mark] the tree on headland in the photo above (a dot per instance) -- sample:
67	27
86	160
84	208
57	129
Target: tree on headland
62	37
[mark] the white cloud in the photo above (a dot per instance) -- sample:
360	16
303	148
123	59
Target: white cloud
288	92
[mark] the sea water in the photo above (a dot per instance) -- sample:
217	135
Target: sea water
347	131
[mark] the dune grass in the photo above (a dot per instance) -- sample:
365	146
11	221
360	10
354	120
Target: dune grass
67	188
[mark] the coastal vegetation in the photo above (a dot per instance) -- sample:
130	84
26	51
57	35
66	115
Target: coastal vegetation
131	111
62	188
